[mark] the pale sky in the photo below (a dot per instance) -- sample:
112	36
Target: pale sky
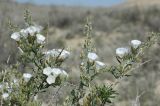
75	2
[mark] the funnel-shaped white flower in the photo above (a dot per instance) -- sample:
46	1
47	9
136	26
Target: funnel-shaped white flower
40	38
33	29
92	56
5	96
27	76
136	43
121	52
55	72
63	54
16	36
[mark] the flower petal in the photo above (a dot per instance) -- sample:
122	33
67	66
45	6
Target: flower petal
24	33
16	36
33	29
47	71
56	71
51	79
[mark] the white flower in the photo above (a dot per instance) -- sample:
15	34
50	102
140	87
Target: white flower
51	79
33	29
63	54
24	33
47	71
121	52
5	95
27	76
16	36
92	56
54	73
135	43
40	38
99	64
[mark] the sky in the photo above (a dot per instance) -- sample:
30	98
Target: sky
94	3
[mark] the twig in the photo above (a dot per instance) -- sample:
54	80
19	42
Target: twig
141	65
118	80
8	59
57	91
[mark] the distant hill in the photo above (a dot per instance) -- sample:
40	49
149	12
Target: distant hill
140	3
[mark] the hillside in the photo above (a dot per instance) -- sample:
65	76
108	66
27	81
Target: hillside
141	3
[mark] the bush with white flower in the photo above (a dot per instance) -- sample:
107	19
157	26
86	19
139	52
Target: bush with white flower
44	70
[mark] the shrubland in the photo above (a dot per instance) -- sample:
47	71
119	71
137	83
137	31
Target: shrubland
112	28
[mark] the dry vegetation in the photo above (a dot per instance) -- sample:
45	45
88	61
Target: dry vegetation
112	27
